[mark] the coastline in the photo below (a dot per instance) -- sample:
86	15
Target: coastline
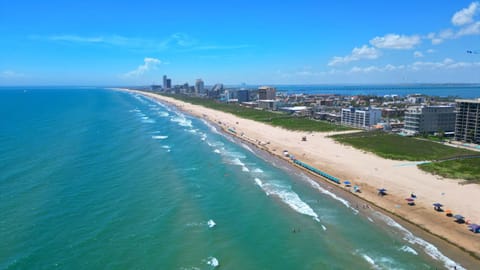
433	226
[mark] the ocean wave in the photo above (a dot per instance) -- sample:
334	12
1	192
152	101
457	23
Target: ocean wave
212	127
248	148
289	197
182	121
159	137
332	195
409	250
163	114
213	262
257	170
211	223
429	248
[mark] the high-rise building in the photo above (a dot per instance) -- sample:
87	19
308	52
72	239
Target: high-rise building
362	118
167	82
164	81
243	95
429	119
467	124
266	93
199	87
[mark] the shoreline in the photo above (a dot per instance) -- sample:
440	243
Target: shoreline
464	246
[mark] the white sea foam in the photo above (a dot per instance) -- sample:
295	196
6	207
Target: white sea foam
159	137
213	262
245	169
430	249
248	148
212	127
287	196
166	146
145	117
409	250
369	260
370	219
182	120
332	195
163	114
211	223
258	182
258	170
216	151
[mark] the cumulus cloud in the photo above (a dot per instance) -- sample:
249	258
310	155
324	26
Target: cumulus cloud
148	64
394	41
472	29
418	54
363	52
465	16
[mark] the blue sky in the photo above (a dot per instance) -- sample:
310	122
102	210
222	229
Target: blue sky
254	42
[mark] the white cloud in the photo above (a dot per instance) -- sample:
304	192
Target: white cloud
430	51
465	16
394	41
447	63
437	41
418	54
8	74
472	29
388	67
148	64
363	52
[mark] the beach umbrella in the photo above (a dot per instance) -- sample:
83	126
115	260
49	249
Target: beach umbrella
437	204
347	183
382	190
474	228
459	217
409	199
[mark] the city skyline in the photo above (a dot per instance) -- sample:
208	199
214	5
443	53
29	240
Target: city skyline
300	42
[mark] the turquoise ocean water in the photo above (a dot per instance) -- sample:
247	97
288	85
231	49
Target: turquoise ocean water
100	179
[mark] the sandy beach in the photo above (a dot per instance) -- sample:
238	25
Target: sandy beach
365	170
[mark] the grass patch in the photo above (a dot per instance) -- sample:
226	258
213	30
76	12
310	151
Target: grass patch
278	119
467	169
397	147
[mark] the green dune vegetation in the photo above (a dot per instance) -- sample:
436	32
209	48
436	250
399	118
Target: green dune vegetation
278	119
397	147
467	169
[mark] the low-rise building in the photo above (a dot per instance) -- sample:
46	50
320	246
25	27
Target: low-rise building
360	117
267	104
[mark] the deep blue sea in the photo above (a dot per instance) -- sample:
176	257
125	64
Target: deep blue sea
93	178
